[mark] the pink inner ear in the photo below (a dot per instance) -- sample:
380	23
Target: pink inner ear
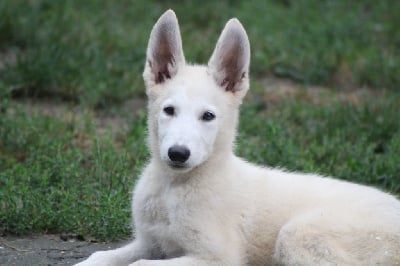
162	58
164	51
230	64
161	76
229	84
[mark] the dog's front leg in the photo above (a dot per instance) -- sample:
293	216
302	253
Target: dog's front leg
185	260
225	253
121	256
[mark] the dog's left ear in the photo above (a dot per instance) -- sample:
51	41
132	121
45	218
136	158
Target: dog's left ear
229	63
164	51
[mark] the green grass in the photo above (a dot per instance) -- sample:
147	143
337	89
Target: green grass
51	180
64	172
59	175
93	51
358	143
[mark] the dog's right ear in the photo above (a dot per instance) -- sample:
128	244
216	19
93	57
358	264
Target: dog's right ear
164	51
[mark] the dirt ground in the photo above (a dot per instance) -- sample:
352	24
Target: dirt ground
48	250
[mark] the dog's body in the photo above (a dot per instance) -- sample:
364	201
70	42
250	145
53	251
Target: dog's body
196	203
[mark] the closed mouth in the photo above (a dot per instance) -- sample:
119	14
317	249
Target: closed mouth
178	166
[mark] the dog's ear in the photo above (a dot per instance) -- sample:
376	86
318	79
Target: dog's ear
229	63
164	50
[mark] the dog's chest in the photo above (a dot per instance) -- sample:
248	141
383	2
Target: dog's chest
158	216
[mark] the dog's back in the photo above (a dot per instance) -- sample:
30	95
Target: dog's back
291	218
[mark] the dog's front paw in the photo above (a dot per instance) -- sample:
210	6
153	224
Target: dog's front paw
141	263
100	258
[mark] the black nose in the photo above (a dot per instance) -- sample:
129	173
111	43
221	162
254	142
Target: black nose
178	154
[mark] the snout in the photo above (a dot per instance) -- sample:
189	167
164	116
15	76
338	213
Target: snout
178	155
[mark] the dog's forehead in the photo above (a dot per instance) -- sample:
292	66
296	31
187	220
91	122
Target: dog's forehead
186	98
195	87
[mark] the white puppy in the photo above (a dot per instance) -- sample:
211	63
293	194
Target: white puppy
196	203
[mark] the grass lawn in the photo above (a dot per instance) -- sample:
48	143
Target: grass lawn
324	98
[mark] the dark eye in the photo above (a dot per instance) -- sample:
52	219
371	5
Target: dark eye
208	116
169	110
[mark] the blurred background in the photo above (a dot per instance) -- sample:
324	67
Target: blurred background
324	98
